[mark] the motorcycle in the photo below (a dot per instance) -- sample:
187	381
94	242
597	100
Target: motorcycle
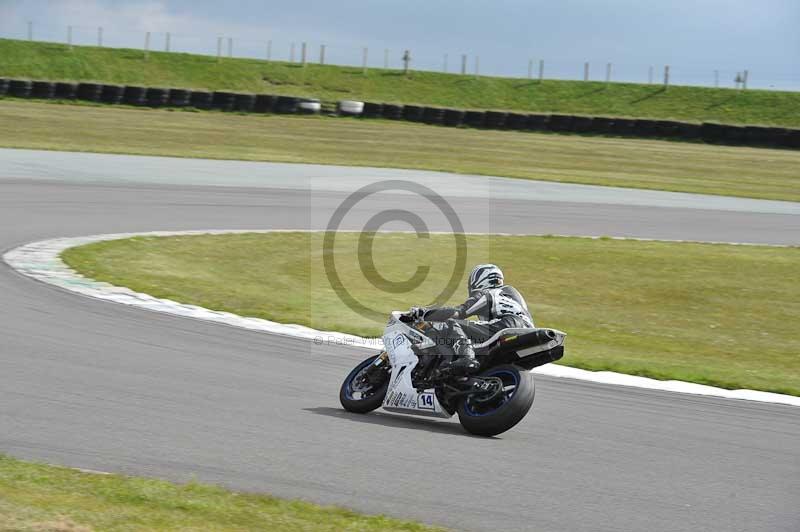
408	376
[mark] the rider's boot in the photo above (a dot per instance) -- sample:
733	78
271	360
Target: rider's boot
466	363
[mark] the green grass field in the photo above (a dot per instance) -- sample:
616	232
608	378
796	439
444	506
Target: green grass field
708	313
330	83
43	498
685	167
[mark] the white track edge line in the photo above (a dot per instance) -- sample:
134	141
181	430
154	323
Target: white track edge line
41	261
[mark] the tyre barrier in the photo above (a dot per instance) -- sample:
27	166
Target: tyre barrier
433	115
66	90
112	94
495	119
264	103
453	117
350	108
179	98
413	113
392	111
286	104
43	89
475	118
309	106
517	121
89	91
201	99
244	103
372	110
134	95
560	123
157	97
582	124
21	88
223	100
538	122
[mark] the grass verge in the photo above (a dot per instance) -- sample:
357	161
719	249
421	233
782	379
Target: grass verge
36	497
712	314
662	165
126	66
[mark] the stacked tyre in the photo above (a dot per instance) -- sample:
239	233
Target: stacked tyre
560	123
3	86
309	106
538	122
453	117
134	95
21	88
516	121
623	127
201	99
244	103
223	101
372	110
286	104
392	111
157	97
603	125
89	91
413	113
475	118
582	124
264	103
495	119
43	89
433	115
112	94
350	108
180	97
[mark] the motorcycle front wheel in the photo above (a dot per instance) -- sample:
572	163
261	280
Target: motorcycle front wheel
361	393
501	412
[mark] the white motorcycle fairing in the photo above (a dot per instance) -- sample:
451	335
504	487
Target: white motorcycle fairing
401	396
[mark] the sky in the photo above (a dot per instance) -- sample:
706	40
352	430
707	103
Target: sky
695	37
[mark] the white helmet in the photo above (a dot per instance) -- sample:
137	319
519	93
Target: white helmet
484	276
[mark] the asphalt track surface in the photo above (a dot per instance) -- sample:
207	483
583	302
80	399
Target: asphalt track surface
100	386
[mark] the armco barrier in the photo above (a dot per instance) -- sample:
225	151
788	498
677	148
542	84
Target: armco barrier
43	89
265	103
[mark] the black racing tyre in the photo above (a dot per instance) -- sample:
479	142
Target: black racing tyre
392	111
21	88
792	139
734	134
372	110
560	123
112	94
499	414
602	124
582	124
712	132
134	95
453	117
264	103
687	130
201	99
3	86
89	91
179	97
756	135
624	127
43	89
645	128
359	398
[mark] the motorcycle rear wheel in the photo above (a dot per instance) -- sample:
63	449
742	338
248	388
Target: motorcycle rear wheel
358	397
489	418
